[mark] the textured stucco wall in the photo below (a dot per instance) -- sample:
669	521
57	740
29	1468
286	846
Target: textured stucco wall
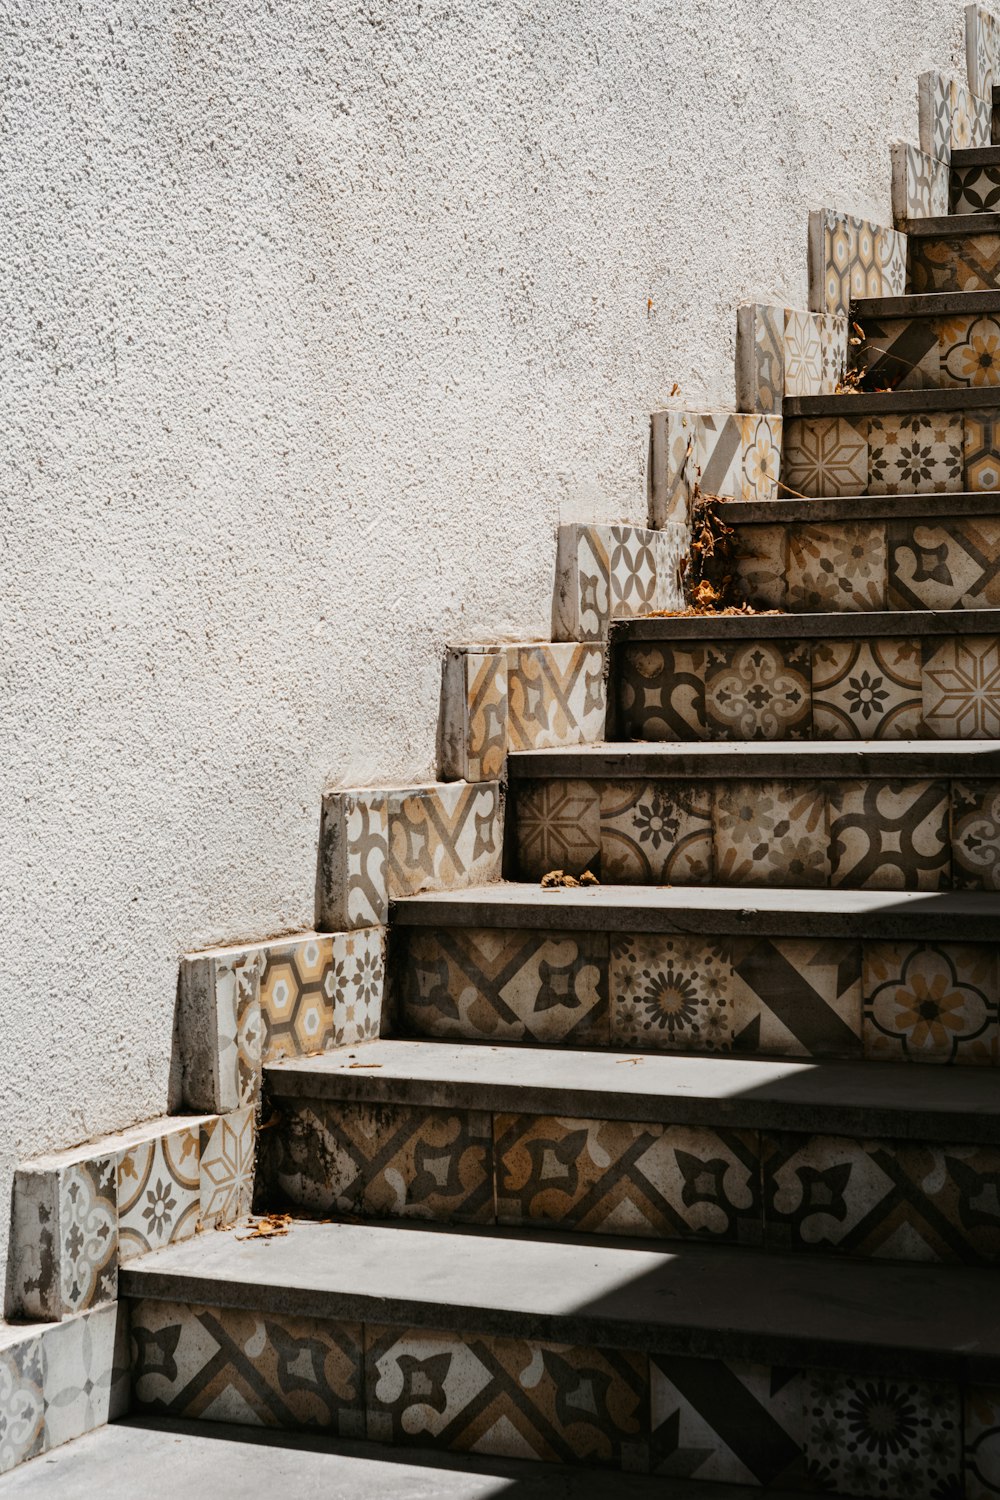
317	317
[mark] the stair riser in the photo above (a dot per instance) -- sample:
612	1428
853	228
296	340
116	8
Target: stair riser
906	354
920	454
975	190
942	688
641	1410
966	263
900	1001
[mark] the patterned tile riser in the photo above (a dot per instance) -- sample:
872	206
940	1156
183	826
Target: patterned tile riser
975	190
675	1415
969	264
911	1001
946	687
872	834
958	353
940	453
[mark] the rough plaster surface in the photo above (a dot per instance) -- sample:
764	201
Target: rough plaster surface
317	318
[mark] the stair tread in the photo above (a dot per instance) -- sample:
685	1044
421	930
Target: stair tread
927	304
612	1293
895	403
976	156
901	622
850	1098
932	508
948	226
786	759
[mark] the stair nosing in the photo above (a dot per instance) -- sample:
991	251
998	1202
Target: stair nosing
976	156
847	624
789	509
895	403
926	305
896	760
953	226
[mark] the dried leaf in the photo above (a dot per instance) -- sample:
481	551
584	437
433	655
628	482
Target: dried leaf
268	1227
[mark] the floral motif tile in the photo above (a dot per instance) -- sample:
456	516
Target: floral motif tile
86	1373
494	984
982	36
969	264
674	994
673	465
917	455
22	1403
617	1177
825	456
381	1161
506	1397
582	602
898	354
159	1192
876	1435
797	997
961	687
558	827
770	833
836	567
88	1234
890	263
661	692
982	1442
353	858
976	835
220	1029
890	835
226	1168
920	184
931	1002
970	119
982	452
257	1369
727	1421
760	438
804	375
760	564
947	564
934	108
556	695
866	690
969	350
474	714
656	833
758	690
760	363
443	836
975	190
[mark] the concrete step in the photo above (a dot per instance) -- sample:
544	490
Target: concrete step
574	1351
912	978
957	253
905	815
957	350
892	676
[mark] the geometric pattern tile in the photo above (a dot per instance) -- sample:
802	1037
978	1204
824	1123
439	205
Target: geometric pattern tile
673	994
866	690
86	1362
256	1369
606	573
899	354
890	835
798	997
976	835
825	456
969	351
759	564
656	832
982	51
473	713
982	451
619	1177
443	836
770	833
220	1029
719	454
727	1421
931	1002
982	1443
969	264
494	984
836	567
672	467
226	1168
661	692
758	690
760	372
556	695
158	1192
890	263
760	438
915	455
353	854
507	1398
321	992
22	1408
803	354
558	827
944	564
935	110
975	190
832	253
920	183
961	687
867	1436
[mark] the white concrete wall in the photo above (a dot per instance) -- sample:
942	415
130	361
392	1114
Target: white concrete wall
317	317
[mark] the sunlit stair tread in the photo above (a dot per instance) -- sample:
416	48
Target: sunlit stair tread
841	624
781	759
896	403
932	508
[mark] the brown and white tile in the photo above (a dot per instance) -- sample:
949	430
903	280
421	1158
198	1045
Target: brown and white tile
882	1435
758	690
770	833
557	827
23	1432
982	451
673	467
760	438
961	687
656	832
321	991
86	1373
915	455
975	835
443	836
353	860
920	184
836	567
675	993
797	997
661	691
931	1002
727	1422
947	564
473	713
556	695
760	564
226	1168
890	835
159	1191
219	1029
760	358
65	1235
825	456
866	690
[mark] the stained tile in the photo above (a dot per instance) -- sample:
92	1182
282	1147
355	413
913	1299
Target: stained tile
556	695
866	690
825	456
760	364
226	1168
719	454
770	833
558	827
493	984
890	835
507	1397
256	1369
982	1442
661	692
931	1002
976	835
961	687
321	991
675	993
673	466
836	567
759	559
832	255
22	1403
617	1177
86	1373
797	997
975	190
890	263
899	354
656	832
970	120
920	184
637	577
969	264
353	857
727	1421
982	452
876	1435
760	439
758	690
865	272
473	713
981	45
969	352
946	564
915	455
934	108
581	608
443	836
220	1029
65	1237
397	1161
158	1192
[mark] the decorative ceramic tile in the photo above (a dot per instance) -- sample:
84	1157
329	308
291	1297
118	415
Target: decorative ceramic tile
321	991
444	836
226	1168
920	184
970	119
673	467
382	1161
961	687
760	362
558	827
947	564
981	51
616	1177
761	450
804	354
656	833
675	993
825	456
976	835
506	1397
890	263
797	997
931	1002
875	1435
22	1403
258	1369
727	1421
759	561
982	1443
220	1030
865	275
353	856
86	1373
967	264
935	107
915	455
836	567
473	713
606	573
975	190
969	351
159	1190
492	984
65	1247
982	451
832	253
899	354
890	835
770	833
758	690
719	454
661	691
866	690
556	695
